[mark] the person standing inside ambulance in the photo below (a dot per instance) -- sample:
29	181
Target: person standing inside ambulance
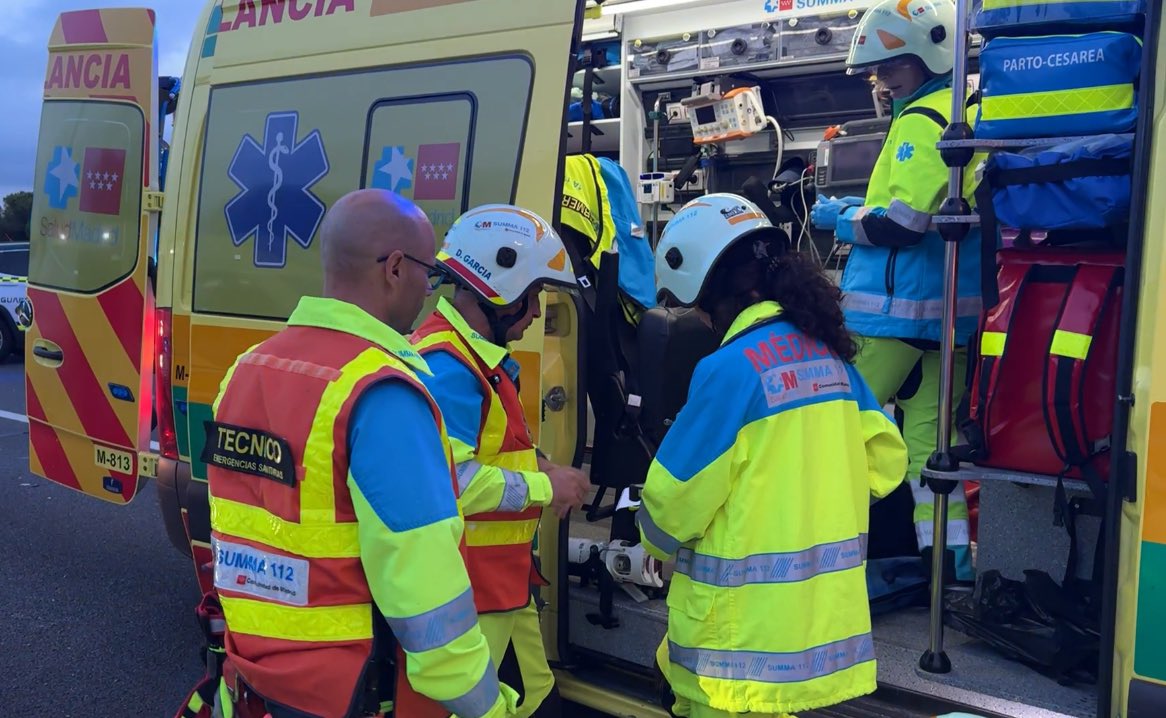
499	257
761	488
893	281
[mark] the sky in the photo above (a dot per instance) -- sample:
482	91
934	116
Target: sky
24	37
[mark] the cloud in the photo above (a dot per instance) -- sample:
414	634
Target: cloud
24	37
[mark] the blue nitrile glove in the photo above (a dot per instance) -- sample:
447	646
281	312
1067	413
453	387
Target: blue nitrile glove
824	214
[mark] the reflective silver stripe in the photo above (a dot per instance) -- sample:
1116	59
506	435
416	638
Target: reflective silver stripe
908	217
654	533
772	567
433	629
789	383
858	230
478	701
466	471
912	309
775	667
515	493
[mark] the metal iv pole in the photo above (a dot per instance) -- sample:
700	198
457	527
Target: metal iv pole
953	221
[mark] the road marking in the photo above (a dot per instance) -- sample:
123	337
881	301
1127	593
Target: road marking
23	419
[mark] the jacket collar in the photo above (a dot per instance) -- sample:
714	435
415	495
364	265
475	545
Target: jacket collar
490	353
930	87
338	315
752	315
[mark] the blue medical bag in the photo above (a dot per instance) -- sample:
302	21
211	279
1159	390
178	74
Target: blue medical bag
994	17
1080	184
1058	85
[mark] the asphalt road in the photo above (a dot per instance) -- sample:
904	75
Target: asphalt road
96	607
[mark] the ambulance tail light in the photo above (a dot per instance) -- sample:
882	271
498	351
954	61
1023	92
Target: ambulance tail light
163	399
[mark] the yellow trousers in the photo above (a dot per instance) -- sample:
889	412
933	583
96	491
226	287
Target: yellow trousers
521	628
688	709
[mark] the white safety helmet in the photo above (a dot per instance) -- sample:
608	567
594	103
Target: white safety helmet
500	251
699	235
923	29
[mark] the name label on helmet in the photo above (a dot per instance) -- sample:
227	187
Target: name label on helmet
250	451
473	264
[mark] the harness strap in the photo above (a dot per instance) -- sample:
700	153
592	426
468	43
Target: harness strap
994	336
201	699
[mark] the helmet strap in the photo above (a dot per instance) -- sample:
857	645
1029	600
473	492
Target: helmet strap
501	326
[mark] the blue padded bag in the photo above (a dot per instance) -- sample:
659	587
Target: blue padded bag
1080	184
992	17
1058	85
637	265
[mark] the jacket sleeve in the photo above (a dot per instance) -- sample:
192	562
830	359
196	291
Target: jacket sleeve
410	530
886	452
690	478
482	488
916	182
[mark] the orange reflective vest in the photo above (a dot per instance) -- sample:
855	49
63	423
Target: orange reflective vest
302	634
499	556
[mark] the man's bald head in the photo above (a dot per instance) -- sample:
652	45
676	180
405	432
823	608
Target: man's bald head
365	226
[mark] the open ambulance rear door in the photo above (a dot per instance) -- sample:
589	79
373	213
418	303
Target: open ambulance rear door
88	364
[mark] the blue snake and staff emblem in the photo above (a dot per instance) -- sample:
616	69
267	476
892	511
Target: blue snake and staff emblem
273	163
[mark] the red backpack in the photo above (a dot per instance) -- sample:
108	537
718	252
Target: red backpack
1043	393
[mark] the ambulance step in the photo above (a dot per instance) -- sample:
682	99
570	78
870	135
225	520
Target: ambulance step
890	702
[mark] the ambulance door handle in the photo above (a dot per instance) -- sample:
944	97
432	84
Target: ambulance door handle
48	353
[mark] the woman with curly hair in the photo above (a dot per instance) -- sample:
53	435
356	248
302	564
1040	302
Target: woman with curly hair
762	487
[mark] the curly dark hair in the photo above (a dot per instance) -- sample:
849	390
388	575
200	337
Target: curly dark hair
811	302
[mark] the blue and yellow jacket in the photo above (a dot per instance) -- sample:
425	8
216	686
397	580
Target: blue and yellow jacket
891	291
762	489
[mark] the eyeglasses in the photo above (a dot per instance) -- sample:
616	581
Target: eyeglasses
434	273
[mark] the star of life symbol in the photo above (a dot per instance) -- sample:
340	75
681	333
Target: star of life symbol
62	179
275	202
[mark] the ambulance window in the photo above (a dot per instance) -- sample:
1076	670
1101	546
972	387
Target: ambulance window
14	260
277	153
87	195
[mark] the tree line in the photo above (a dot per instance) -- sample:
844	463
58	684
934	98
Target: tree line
16	217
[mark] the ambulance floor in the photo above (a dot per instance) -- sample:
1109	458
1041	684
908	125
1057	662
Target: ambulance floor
980	677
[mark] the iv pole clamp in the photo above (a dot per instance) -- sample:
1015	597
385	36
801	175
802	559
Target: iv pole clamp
953	222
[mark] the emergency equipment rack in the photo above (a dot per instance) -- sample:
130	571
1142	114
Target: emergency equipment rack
954	220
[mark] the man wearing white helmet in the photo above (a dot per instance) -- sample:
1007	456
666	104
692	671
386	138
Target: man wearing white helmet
762	486
893	282
499	257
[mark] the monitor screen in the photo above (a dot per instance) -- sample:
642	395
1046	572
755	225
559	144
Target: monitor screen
853	161
705	115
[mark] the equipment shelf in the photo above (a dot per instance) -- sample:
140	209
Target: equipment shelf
986	473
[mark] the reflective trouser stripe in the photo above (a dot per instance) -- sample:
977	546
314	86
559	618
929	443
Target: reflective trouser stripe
435	628
312	624
500	533
1053	103
765	667
958	533
772	567
911	309
308	540
1070	344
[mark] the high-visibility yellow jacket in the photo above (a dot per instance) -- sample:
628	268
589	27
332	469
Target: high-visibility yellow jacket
315	532
502	490
761	489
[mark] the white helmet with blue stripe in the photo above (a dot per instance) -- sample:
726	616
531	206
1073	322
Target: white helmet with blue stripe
699	235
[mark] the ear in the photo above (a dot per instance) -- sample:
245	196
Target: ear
393	264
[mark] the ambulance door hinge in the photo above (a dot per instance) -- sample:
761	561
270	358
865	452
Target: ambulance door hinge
153	201
1128	476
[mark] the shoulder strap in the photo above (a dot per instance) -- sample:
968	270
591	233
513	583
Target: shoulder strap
930	113
994	337
1087	297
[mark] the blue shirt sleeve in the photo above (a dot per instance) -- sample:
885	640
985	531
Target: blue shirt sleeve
396	457
458	394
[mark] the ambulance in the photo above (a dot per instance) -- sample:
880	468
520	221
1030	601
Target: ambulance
143	288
